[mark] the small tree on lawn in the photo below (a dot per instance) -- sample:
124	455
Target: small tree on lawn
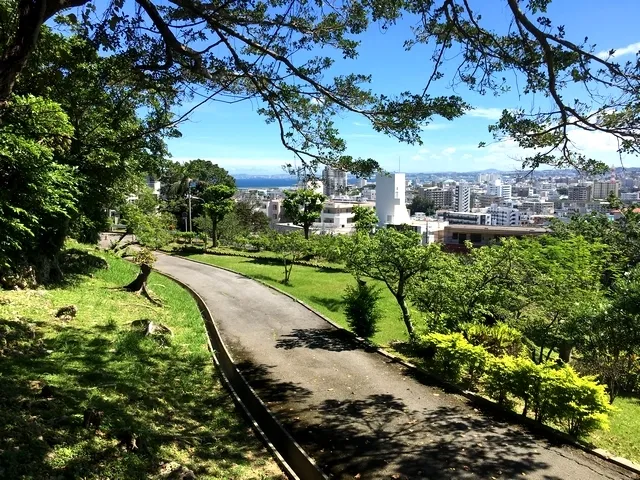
303	207
217	203
394	257
361	308
365	219
290	247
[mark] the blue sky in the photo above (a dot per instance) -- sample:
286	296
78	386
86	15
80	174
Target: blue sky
237	138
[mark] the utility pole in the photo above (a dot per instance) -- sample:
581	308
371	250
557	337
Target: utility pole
189	198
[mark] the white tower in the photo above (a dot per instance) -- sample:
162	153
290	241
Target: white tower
391	205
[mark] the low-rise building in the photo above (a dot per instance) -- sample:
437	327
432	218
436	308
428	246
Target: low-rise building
455	236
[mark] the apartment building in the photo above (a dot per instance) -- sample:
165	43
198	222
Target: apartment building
504	216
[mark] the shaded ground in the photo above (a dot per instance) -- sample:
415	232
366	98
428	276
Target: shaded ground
356	412
165	393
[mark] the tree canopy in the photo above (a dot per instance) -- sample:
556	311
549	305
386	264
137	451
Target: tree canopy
239	51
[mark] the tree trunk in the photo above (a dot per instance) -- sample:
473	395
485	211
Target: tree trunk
214	233
31	16
306	231
141	280
564	351
406	317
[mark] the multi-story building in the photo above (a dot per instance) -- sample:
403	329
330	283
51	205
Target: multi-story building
334	181
391	205
441	197
462	198
467	218
338	217
272	208
580	193
504	216
497	189
630	196
538	207
602	190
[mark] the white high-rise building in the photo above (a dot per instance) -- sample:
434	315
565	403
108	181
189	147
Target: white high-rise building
334	181
462	201
497	189
504	216
391	205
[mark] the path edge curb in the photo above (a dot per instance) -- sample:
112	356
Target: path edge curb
295	463
483	402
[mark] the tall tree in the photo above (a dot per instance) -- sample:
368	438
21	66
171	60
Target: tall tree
190	178
395	258
37	194
116	120
303	207
421	204
218	202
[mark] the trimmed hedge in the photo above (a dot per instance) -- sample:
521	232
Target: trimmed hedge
552	393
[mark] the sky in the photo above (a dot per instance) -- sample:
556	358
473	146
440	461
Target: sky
238	139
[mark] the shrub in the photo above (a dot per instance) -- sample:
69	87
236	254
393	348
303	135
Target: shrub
455	357
499	339
577	404
361	308
554	394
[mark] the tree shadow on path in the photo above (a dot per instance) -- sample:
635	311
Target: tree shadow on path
379	436
330	339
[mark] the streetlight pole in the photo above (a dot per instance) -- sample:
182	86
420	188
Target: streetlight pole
189	198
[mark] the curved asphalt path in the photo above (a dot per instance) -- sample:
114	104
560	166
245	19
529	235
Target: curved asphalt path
355	412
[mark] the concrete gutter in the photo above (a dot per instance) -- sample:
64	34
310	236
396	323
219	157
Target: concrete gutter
480	401
290	456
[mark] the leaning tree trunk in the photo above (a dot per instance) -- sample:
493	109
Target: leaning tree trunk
564	351
406	316
140	281
139	284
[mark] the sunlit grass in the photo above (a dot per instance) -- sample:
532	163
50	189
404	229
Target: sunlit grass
623	438
319	288
167	395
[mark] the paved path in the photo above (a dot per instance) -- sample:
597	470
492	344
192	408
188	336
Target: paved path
357	413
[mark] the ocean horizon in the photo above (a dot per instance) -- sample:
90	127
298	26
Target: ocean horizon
266	182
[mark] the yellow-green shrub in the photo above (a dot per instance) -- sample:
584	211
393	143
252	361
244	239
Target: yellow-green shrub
554	394
456	358
499	339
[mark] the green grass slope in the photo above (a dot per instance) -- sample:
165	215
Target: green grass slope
166	394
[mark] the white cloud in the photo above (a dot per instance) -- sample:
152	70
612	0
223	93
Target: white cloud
417	157
449	151
631	49
491	113
359	124
423	150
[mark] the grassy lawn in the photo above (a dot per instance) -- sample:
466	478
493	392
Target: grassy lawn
165	394
323	291
318	288
623	438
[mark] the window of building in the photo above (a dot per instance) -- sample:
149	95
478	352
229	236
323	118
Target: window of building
328	220
454	235
476	238
389	218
